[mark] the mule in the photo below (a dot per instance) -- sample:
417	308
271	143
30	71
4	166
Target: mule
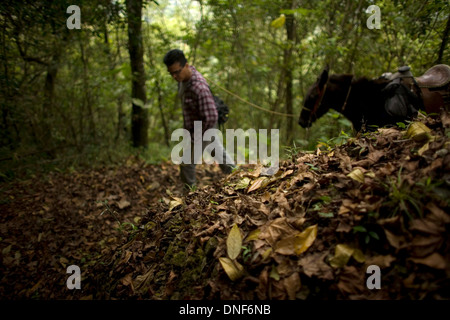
359	99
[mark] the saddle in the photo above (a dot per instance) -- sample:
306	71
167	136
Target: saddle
434	86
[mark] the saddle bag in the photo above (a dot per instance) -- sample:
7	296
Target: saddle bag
399	101
222	109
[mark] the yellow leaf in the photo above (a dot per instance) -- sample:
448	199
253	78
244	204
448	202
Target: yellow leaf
298	243
357	175
174	203
306	239
253	235
266	253
278	22
418	132
370	174
234	242
341	256
274	273
424	148
359	256
233	269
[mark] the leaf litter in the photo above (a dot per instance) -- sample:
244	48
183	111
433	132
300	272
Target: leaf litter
310	231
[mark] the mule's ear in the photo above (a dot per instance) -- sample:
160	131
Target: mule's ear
323	78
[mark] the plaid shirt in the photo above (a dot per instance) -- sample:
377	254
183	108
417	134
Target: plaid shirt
198	103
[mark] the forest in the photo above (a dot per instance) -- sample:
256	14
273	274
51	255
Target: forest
88	109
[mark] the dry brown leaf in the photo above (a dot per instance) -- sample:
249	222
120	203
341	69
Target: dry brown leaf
351	281
398	242
277	228
265	197
426	226
438	215
292	284
140	284
261	182
123	203
435	260
381	261
347	206
314	265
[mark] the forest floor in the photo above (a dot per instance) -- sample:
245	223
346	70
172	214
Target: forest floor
311	231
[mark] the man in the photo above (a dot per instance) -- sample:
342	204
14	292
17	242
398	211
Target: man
198	105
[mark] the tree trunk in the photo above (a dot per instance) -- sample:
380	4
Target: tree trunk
139	114
290	31
45	139
444	41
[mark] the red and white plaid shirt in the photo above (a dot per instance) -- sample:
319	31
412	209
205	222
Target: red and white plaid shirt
198	103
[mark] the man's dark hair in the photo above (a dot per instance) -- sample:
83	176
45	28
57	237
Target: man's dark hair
175	55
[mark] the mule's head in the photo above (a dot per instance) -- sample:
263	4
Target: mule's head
313	108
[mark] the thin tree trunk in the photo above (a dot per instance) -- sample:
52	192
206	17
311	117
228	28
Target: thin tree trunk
45	138
444	41
290	32
87	94
120	112
139	115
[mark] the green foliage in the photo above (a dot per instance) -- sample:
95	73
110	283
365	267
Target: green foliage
367	234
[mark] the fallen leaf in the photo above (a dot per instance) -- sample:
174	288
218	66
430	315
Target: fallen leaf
175	203
435	260
381	261
140	284
274	273
234	242
261	182
314	265
398	242
351	281
357	175
292	284
275	230
266	253
423	149
418	131
341	256
123	204
233	269
253	235
298	243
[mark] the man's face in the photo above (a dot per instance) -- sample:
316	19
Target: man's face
179	73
